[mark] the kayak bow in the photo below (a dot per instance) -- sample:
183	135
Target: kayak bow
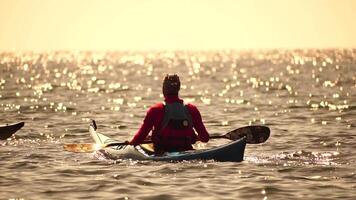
8	130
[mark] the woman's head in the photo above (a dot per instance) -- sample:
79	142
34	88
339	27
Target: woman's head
171	84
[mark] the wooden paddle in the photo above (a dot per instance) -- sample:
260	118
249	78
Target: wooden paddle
253	134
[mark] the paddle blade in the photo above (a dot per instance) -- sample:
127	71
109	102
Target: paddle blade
253	134
81	148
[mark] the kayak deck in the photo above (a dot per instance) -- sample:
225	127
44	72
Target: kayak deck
8	130
233	151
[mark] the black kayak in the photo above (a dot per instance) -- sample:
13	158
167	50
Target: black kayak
8	130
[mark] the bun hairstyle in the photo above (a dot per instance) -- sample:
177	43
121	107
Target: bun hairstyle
171	85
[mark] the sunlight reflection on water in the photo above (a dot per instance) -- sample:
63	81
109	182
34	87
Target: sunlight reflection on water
307	98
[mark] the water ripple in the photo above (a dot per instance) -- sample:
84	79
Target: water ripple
306	96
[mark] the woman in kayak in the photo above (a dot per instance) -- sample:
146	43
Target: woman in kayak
172	122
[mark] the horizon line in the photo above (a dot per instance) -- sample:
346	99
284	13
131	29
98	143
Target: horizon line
175	49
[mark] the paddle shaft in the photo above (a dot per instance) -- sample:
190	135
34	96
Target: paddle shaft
125	143
254	135
218	137
259	134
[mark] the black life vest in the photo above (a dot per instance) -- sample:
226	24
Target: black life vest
176	116
176	132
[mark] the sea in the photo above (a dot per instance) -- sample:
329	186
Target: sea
307	97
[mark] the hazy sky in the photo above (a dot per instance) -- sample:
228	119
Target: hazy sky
42	25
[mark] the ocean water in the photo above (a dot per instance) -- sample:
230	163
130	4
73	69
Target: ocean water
306	97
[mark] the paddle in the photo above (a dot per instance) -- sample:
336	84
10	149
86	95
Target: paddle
253	134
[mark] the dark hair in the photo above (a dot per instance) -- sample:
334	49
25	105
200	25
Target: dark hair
171	84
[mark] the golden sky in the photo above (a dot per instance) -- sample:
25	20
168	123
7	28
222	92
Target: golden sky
41	25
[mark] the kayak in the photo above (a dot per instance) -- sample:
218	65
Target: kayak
233	151
8	130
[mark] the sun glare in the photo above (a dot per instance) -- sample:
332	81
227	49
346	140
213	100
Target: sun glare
158	24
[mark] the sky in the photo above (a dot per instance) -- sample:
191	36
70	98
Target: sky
46	25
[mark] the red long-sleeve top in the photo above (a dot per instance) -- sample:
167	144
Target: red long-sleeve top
155	116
